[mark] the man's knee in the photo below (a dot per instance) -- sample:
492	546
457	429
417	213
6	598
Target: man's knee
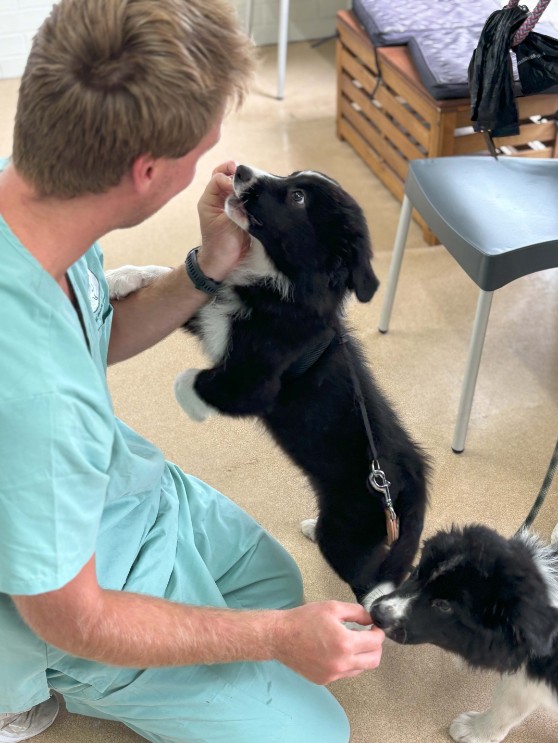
272	579
290	586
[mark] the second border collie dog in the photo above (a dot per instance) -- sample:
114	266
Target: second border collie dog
279	349
493	602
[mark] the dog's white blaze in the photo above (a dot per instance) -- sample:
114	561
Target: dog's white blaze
515	697
398	606
318	175
257	173
382	589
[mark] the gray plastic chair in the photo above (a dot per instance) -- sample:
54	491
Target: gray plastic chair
497	218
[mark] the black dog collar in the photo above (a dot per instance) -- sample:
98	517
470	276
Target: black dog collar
202	282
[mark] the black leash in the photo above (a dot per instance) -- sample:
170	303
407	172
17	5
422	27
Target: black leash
539	500
377	478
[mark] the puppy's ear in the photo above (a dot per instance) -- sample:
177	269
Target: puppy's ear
358	252
522	606
537	626
362	279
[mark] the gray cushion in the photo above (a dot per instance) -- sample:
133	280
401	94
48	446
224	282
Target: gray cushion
392	22
441	36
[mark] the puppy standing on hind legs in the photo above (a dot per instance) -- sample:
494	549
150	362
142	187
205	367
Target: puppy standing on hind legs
280	351
275	334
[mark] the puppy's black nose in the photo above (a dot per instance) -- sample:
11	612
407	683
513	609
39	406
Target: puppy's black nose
243	173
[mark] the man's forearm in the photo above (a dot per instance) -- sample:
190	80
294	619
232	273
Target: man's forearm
138	631
133	630
148	315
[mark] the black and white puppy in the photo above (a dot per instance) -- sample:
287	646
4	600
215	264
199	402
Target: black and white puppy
493	602
278	344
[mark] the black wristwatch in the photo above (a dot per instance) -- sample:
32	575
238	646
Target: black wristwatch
202	282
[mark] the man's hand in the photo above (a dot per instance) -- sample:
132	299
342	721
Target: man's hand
224	244
313	641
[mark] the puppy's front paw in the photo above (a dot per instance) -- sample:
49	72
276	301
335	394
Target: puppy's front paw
475	727
308	528
188	398
127	279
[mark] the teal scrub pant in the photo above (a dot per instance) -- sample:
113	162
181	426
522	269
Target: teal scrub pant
224	558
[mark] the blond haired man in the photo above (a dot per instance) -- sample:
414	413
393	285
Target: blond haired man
137	592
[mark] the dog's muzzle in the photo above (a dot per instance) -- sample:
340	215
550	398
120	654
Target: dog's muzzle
390	621
235	208
243	179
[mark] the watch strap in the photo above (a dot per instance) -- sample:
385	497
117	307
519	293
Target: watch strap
202	282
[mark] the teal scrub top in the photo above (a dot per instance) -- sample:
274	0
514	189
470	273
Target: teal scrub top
74	480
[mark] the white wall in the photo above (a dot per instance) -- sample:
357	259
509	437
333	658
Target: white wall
308	19
19	19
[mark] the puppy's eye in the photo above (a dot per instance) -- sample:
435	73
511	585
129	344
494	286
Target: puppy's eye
442	605
298	197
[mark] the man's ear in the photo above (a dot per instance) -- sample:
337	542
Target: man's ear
142	173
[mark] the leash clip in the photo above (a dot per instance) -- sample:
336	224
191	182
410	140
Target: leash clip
378	480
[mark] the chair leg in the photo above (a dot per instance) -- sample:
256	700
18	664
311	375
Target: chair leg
471	370
395	266
282	42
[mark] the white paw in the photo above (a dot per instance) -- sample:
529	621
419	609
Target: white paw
472	727
554	535
308	528
127	279
382	589
188	399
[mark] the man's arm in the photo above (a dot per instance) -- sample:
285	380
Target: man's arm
133	630
145	317
148	315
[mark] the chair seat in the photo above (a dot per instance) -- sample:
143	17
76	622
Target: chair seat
497	218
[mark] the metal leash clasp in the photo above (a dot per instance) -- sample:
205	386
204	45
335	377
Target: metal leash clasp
378	480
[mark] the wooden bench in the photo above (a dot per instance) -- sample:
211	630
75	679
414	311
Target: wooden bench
398	120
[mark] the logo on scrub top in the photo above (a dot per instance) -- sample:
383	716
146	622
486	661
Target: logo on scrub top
94	291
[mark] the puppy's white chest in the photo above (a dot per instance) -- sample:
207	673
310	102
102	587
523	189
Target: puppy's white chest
215	322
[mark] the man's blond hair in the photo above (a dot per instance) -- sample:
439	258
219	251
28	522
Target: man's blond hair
109	80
